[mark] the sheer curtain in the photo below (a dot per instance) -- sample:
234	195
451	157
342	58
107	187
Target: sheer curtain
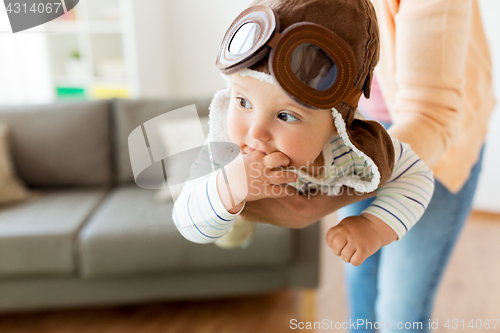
24	65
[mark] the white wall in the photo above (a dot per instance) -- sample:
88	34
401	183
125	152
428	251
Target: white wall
195	31
488	196
24	70
146	23
176	43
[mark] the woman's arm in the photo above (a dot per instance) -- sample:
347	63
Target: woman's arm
299	211
425	49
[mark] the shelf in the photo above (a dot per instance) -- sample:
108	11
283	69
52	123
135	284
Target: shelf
107	91
83	27
68	81
90	53
63	27
65	93
94	90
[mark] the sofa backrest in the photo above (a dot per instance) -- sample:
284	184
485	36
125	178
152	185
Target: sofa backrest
61	144
129	114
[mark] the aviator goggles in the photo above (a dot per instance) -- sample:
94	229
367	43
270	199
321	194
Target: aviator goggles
309	62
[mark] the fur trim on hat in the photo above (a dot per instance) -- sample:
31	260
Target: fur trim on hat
258	75
217	117
358	184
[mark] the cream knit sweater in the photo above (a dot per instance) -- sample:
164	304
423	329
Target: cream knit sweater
435	76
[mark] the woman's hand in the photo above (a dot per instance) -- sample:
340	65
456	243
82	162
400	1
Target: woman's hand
299	211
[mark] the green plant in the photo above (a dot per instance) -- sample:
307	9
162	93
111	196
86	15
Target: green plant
75	54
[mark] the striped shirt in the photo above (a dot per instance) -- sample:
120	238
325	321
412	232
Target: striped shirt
201	217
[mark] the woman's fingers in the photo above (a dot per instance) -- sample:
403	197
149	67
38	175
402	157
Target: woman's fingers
280	177
279	191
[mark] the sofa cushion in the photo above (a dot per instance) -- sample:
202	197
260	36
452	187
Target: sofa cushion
60	144
128	114
132	234
36	237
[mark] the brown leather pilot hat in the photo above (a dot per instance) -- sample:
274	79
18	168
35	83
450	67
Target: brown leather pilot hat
353	20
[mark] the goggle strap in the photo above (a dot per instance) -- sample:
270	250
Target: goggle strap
352	98
273	41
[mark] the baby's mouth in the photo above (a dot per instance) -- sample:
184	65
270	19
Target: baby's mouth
246	150
252	150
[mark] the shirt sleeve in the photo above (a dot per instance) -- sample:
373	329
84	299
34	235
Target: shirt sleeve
430	51
198	212
402	201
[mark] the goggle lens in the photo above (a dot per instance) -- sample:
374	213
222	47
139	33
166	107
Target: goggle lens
313	66
245	38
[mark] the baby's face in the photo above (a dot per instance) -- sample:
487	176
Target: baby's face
264	118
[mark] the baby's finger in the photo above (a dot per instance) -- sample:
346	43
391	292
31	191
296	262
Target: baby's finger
338	243
357	258
347	252
329	235
275	160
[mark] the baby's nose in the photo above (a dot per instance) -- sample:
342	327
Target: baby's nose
260	130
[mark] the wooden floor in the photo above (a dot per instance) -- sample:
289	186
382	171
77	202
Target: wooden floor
470	290
269	313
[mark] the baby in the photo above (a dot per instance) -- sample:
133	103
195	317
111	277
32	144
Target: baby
292	113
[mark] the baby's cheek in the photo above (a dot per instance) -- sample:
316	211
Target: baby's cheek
304	156
234	127
298	156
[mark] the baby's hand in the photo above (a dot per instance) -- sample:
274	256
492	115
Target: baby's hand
356	238
250	177
262	180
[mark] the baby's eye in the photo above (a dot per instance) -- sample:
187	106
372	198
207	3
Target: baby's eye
287	115
244	103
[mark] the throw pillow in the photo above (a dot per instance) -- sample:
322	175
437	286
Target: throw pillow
12	190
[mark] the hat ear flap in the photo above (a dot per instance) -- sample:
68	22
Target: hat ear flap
372	139
367	86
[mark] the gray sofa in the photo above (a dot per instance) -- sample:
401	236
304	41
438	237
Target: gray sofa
92	237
